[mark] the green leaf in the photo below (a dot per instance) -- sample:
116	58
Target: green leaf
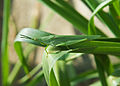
91	22
103	16
18	65
48	60
91	74
70	14
18	49
31	73
101	69
37	79
4	44
73	56
106	65
13	73
61	73
115	12
52	79
54	68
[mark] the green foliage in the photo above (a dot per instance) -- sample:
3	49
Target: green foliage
58	47
62	49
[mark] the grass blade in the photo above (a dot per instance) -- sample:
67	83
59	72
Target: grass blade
4	44
18	49
14	72
31	73
99	58
91	22
36	79
100	70
115	12
61	73
104	17
18	65
73	17
85	76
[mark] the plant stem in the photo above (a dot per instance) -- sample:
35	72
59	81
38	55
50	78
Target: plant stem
1	19
4	45
100	70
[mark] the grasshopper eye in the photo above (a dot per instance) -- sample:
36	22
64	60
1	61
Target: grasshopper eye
27	37
22	36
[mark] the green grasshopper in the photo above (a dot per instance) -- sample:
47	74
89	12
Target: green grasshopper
60	40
